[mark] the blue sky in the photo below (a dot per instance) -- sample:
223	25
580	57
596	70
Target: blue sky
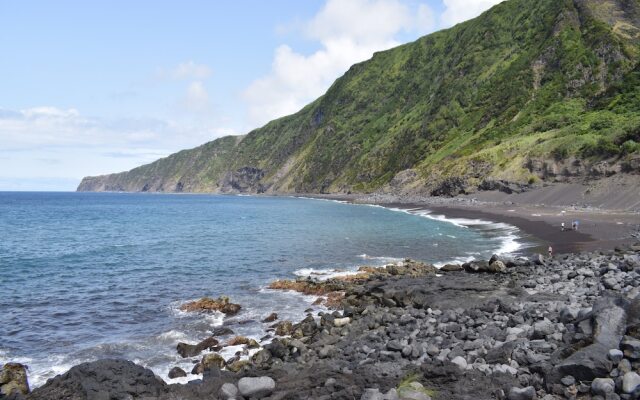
88	88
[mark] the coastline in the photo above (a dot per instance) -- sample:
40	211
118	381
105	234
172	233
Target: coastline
599	228
511	328
598	232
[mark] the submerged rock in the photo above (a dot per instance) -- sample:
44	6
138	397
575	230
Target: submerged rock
272	317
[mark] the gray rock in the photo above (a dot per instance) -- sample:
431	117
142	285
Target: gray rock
371	394
412	394
330	382
569	314
528	393
631	348
228	391
603	386
616	355
110	379
543	328
497	267
568	380
177	372
394	345
460	362
610	323
630	382
191	350
256	387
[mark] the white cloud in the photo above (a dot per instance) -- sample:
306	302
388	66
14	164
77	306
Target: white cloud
348	32
461	10
197	98
49	142
185	71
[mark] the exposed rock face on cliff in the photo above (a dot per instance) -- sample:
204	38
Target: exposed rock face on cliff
529	91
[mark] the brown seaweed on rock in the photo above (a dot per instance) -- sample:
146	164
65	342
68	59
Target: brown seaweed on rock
207	304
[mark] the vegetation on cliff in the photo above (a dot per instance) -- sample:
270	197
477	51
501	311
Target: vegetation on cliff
527	91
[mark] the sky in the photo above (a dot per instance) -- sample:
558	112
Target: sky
95	87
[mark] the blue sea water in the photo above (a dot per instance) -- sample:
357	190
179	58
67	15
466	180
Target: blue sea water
95	275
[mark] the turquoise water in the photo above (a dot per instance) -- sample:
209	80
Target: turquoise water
94	275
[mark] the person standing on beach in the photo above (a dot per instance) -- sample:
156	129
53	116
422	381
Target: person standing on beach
573	226
577	222
562	226
550	252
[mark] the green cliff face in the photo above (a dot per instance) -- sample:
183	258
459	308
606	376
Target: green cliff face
545	89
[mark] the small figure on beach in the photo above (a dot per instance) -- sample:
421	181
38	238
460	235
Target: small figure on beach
575	225
562	225
550	252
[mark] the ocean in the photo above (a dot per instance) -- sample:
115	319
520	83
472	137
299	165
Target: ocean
102	275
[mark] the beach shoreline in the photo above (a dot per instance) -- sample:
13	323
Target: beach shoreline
599	228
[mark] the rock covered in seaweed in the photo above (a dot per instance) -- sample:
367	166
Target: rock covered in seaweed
207	304
13	379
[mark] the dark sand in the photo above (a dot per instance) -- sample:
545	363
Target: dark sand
598	229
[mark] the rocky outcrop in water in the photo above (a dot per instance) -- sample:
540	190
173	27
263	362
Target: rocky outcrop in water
206	304
13	380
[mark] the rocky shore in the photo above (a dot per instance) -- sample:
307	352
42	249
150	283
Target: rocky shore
524	328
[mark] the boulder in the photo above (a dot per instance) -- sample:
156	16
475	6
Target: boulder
543	328
372	394
256	387
631	348
338	322
272	317
103	379
630	382
476	266
460	362
177	372
528	393
609	317
207	304
212	360
615	355
191	350
451	268
497	267
261	358
603	386
241	340
284	328
237	365
228	391
13	379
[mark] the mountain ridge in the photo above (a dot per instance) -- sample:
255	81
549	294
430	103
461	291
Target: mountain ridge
527	92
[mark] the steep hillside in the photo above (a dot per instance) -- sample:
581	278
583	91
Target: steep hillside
528	91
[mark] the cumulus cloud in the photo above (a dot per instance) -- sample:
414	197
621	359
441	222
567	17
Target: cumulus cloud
197	97
461	10
348	32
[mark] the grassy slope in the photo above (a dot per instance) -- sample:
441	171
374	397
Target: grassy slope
545	79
